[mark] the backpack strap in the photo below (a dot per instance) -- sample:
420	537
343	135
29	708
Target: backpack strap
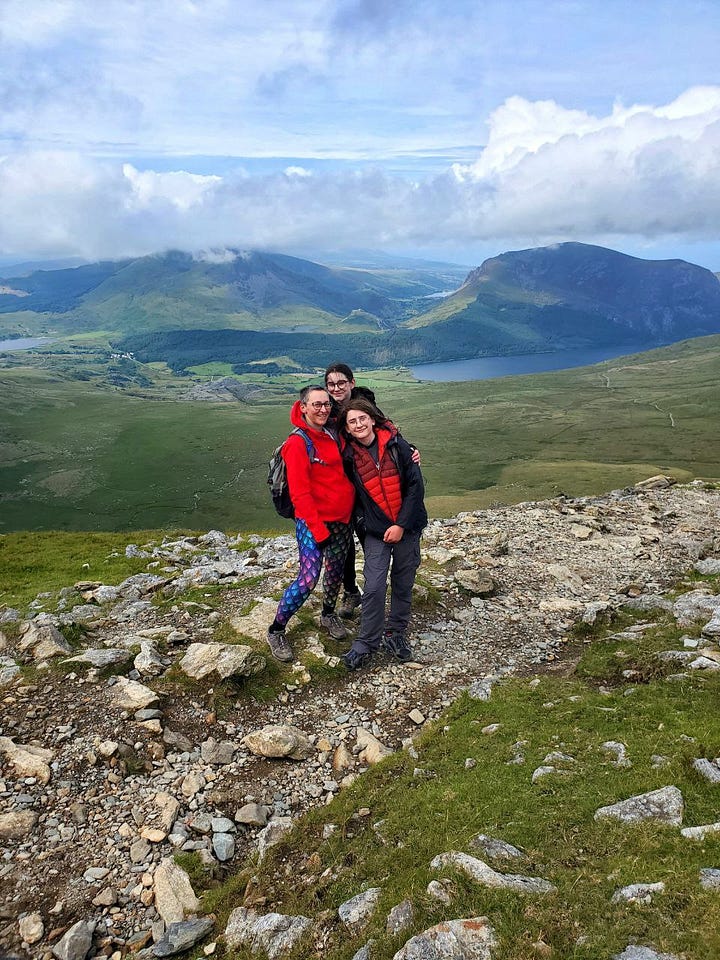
309	446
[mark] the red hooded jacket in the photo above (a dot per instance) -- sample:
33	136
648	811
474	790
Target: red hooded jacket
320	492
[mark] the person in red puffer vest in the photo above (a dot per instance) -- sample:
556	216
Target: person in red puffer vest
390	516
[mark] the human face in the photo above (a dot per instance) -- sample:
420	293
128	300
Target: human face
360	426
316	408
339	387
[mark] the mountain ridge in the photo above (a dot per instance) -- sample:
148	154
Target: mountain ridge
564	296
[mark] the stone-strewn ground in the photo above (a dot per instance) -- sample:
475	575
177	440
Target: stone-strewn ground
104	779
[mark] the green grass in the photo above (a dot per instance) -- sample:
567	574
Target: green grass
31	563
80	455
414	818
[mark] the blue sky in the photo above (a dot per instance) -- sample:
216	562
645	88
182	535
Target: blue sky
451	130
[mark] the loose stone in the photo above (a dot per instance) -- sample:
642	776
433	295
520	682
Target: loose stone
664	805
356	912
470	939
272	933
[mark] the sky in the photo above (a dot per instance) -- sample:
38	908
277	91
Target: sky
441	129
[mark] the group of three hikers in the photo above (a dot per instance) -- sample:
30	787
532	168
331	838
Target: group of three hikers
356	474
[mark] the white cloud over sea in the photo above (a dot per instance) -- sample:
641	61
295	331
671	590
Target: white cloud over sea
547	173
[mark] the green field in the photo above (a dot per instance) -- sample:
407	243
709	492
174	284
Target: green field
89	454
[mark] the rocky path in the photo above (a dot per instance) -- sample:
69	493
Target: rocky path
101	782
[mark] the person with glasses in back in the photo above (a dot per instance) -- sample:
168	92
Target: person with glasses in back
390	511
340	384
323	498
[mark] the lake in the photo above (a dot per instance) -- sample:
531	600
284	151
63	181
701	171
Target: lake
23	344
487	368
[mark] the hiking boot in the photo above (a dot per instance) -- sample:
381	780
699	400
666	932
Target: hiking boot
396	643
279	647
334	626
356	659
350	603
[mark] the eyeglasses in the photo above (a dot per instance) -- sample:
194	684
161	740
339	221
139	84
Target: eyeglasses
318	405
358	421
336	384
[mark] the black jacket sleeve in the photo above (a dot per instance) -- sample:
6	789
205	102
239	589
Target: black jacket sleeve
412	515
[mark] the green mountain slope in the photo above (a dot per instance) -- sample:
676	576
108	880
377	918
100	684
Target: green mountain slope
253	291
184	310
84	455
577	294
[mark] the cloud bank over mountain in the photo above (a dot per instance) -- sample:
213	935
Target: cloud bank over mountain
547	173
136	125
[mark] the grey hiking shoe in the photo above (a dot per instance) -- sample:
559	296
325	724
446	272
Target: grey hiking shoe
396	643
356	660
279	647
334	626
350	603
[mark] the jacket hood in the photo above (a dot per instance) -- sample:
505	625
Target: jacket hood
297	419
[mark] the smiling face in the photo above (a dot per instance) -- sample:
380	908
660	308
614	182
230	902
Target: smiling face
339	387
316	408
360	426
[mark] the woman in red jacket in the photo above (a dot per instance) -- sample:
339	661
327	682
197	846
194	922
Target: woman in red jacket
323	499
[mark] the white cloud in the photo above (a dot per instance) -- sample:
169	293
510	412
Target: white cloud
548	173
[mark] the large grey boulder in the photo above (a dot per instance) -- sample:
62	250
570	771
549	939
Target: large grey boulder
28	760
664	805
482	873
101	658
709	769
400	918
217	752
695	605
17	824
174	895
372	751
8	670
469	939
281	740
75	944
256	623
476	581
224	659
638	892
710	878
356	912
252	815
31	928
496	849
273	834
44	641
131	696
181	936
148	662
272	933
643	953
699	833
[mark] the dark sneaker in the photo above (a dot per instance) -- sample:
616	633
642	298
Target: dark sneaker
279	647
350	603
334	626
396	643
356	659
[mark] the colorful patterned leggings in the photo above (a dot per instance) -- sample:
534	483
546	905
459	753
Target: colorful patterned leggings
334	550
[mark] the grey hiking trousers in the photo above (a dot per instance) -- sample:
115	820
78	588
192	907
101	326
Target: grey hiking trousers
405	558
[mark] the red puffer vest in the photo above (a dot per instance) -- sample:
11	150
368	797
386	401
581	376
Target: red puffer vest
381	482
